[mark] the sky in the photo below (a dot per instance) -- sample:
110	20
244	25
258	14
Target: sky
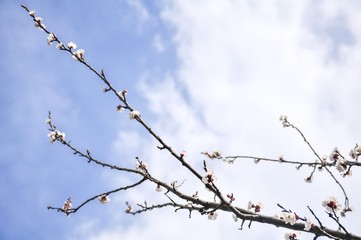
205	75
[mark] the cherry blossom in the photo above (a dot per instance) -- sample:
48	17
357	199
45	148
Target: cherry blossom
159	188
60	46
308	224
355	152
231	197
79	54
51	38
124	93
39	23
212	216
292	235
120	108
288	218
104	199
67	206
134	114
54	135
332	205
209	177
32	13
256	206
284	121
308	179
341	165
72	45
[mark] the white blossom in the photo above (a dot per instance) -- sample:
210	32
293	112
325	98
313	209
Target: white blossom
335	154
134	114
209	177
60	46
308	179
39	23
51	38
212	216
288	218
123	94
120	108
104	199
355	152
67	206
341	165
54	135
32	13
159	188
72	45
331	204
256	206
284	121
292	235
79	54
308	224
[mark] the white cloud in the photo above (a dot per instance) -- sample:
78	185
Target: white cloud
127	143
140	9
158	43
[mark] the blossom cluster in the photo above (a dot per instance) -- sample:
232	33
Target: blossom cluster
67	206
218	155
257	207
339	161
213	155
78	55
231	197
288	217
291	218
284	121
56	135
38	21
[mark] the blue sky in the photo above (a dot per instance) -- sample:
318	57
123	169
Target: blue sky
205	75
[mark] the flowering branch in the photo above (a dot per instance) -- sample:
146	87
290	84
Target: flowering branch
221	202
103	198
337	160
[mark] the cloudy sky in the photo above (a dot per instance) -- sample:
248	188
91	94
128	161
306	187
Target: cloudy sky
205	75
